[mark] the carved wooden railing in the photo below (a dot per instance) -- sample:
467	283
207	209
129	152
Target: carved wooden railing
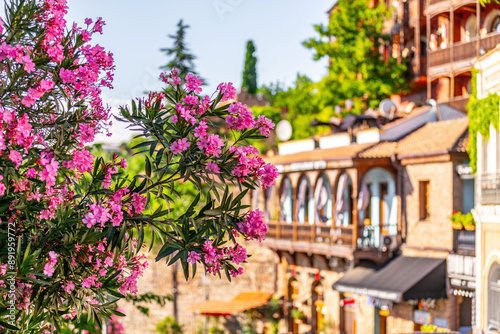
463	50
313	233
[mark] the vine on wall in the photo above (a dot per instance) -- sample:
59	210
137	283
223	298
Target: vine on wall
482	113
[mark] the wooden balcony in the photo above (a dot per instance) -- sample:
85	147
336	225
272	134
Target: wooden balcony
297	232
464	241
339	241
459	55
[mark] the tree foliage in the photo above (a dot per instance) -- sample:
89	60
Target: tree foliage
250	70
179	53
353	40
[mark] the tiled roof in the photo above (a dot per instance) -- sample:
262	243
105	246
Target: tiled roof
434	137
381	150
336	153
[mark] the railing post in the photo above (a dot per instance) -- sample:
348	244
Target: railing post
313	232
278	229
294	233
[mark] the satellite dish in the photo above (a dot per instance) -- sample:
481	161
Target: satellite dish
387	108
284	130
349	104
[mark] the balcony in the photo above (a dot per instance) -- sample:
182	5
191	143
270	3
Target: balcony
459	55
340	241
464	241
488	191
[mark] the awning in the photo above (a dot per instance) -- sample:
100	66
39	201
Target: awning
242	302
404	278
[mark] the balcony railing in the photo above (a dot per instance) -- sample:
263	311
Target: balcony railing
463	50
464	241
331	235
488	188
459	103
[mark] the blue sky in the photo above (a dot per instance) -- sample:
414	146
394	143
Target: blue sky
219	29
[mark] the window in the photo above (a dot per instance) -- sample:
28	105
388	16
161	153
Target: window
424	199
495	26
494	297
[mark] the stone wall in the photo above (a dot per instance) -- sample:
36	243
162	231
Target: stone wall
435	231
260	274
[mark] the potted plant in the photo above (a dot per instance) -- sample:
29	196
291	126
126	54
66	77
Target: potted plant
456	220
468	222
298	315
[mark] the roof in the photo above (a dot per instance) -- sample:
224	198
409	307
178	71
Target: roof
404	278
434	137
381	150
242	302
336	153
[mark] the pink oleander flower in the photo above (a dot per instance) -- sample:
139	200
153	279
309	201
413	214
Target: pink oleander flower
269	175
16	157
139	203
265	125
212	145
2	186
201	130
213	167
253	226
180	146
228	91
240	117
193	83
235	273
193	257
89	220
68	287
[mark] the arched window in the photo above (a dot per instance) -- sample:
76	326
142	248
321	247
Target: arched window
377	206
494	297
286	203
323	201
492	21
470	28
268	198
343	201
305	202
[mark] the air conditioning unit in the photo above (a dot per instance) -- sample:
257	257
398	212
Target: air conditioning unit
388	242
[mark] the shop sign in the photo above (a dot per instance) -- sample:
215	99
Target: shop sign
307	165
441	322
421	317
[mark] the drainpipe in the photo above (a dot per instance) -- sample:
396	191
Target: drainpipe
435	106
396	164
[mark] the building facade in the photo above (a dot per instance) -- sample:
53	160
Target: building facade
487	209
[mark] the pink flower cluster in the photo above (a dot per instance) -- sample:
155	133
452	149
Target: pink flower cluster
240	117
193	83
228	91
101	261
214	257
171	79
43	87
253	226
180	146
48	269
250	164
82	161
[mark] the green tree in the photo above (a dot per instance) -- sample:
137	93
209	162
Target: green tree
300	104
250	70
352	40
180	55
